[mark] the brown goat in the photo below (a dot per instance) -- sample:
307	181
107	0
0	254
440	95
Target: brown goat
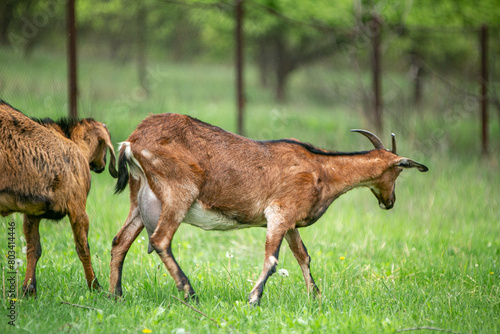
185	170
44	173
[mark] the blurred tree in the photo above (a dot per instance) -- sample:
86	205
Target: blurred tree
438	31
124	24
113	23
282	35
7	10
290	34
26	23
131	29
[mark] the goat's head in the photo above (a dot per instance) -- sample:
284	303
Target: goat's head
95	137
390	166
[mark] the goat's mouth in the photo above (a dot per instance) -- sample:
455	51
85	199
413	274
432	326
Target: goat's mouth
97	169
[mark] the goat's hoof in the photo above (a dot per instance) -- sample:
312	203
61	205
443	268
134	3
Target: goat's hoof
316	292
254	302
116	297
29	291
191	297
96	286
254	297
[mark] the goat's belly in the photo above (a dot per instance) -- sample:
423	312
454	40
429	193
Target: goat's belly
150	210
213	220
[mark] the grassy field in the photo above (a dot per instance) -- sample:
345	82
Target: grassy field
431	262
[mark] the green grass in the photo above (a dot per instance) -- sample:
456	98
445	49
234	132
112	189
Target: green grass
432	261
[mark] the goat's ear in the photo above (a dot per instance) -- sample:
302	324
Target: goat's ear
112	161
407	163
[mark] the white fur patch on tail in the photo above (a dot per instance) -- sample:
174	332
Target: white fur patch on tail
135	167
122	144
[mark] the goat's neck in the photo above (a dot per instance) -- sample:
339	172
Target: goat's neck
346	172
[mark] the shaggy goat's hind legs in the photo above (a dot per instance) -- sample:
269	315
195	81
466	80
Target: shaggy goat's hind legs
161	241
33	253
80	226
303	258
120	246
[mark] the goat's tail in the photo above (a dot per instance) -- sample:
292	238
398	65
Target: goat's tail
123	161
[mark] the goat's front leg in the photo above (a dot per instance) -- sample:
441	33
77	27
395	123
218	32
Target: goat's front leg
274	237
33	253
120	246
303	258
80	226
161	241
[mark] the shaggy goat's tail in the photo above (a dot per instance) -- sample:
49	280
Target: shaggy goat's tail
123	162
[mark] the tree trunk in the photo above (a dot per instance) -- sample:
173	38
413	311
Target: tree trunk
72	62
264	62
417	74
283	68
141	49
6	16
281	81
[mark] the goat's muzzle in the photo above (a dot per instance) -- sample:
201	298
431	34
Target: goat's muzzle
386	206
97	169
388	203
384	202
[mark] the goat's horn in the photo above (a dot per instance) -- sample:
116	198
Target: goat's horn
393	143
374	139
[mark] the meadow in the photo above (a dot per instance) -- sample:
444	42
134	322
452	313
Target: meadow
431	263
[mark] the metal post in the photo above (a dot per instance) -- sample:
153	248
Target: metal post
376	68
484	88
72	87
240	95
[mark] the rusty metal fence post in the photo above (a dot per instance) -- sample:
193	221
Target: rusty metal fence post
72	86
240	95
376	28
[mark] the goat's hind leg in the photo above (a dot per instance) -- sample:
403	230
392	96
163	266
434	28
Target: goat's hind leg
120	246
80	226
302	257
33	253
161	241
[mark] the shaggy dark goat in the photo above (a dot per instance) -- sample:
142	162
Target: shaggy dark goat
45	173
185	170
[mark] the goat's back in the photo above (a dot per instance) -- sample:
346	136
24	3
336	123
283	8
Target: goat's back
210	145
